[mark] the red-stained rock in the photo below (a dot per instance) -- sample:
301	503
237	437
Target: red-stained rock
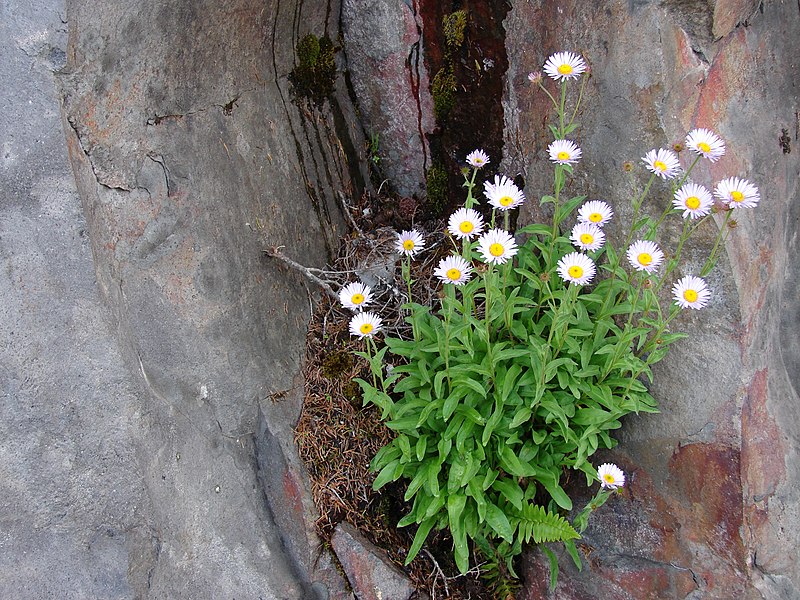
369	570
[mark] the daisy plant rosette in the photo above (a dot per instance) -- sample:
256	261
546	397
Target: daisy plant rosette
539	342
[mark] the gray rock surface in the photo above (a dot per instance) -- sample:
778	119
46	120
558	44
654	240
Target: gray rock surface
385	62
128	447
188	149
73	515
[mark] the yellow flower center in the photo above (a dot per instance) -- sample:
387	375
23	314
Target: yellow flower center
496	250
505	200
466	227
608	478
587	238
595	217
563	155
357	298
644	259
693	202
366	328
737	196
575	271
408	245
660	166
453	274
690	296
565	69
704	147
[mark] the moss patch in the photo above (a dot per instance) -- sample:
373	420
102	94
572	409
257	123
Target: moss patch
314	76
443	89
453	27
436	186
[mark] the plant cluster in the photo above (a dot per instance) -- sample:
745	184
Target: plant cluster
540	345
314	75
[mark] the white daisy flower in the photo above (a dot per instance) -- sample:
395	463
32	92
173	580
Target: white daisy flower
564	65
503	194
409	242
576	268
595	211
478	159
737	193
663	163
587	236
611	476
645	256
691	292
706	143
694	200
453	269
365	324
465	223
564	152
355	296
497	246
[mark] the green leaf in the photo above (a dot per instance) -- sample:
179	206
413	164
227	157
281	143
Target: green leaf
573	552
455	513
509	380
390	472
498	521
419	538
553	567
405	445
421	447
550	483
417	482
512	464
474	490
523	415
432	484
538	229
511	490
543	526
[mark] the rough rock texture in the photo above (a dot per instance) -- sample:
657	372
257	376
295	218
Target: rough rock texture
384	58
73	506
187	146
712	503
368	568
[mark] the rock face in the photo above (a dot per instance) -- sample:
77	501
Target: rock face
150	455
385	62
72	504
188	147
368	569
713	491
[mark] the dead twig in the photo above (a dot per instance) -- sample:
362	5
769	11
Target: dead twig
438	573
275	252
348	215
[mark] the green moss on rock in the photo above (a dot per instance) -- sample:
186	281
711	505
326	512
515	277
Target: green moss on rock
436	186
314	77
453	27
443	88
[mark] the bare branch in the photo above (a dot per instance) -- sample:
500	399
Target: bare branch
275	252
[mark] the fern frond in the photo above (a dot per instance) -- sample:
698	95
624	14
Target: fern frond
536	523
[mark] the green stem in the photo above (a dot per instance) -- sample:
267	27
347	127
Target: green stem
370	354
712	259
549	95
488	312
580	97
